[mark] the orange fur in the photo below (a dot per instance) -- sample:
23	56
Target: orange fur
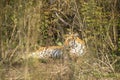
55	51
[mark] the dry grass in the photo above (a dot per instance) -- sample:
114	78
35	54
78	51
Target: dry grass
26	24
85	67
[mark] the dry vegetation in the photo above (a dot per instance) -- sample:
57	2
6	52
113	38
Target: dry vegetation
27	24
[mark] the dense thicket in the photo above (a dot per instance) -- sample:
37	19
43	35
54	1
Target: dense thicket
27	24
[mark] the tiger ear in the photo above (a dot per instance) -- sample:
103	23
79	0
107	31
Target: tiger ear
67	35
71	35
76	35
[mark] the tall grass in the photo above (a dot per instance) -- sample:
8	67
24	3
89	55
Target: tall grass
27	24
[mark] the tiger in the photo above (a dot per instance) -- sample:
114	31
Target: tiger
73	42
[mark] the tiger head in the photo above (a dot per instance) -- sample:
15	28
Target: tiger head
75	44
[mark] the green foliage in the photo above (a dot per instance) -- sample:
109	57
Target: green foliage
27	24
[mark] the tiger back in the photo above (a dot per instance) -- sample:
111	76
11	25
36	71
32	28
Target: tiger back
48	52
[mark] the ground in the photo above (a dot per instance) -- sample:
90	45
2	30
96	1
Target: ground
69	68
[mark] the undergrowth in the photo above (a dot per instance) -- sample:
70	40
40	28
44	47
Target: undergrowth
27	24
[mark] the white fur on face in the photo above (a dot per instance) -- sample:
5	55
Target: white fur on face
76	47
